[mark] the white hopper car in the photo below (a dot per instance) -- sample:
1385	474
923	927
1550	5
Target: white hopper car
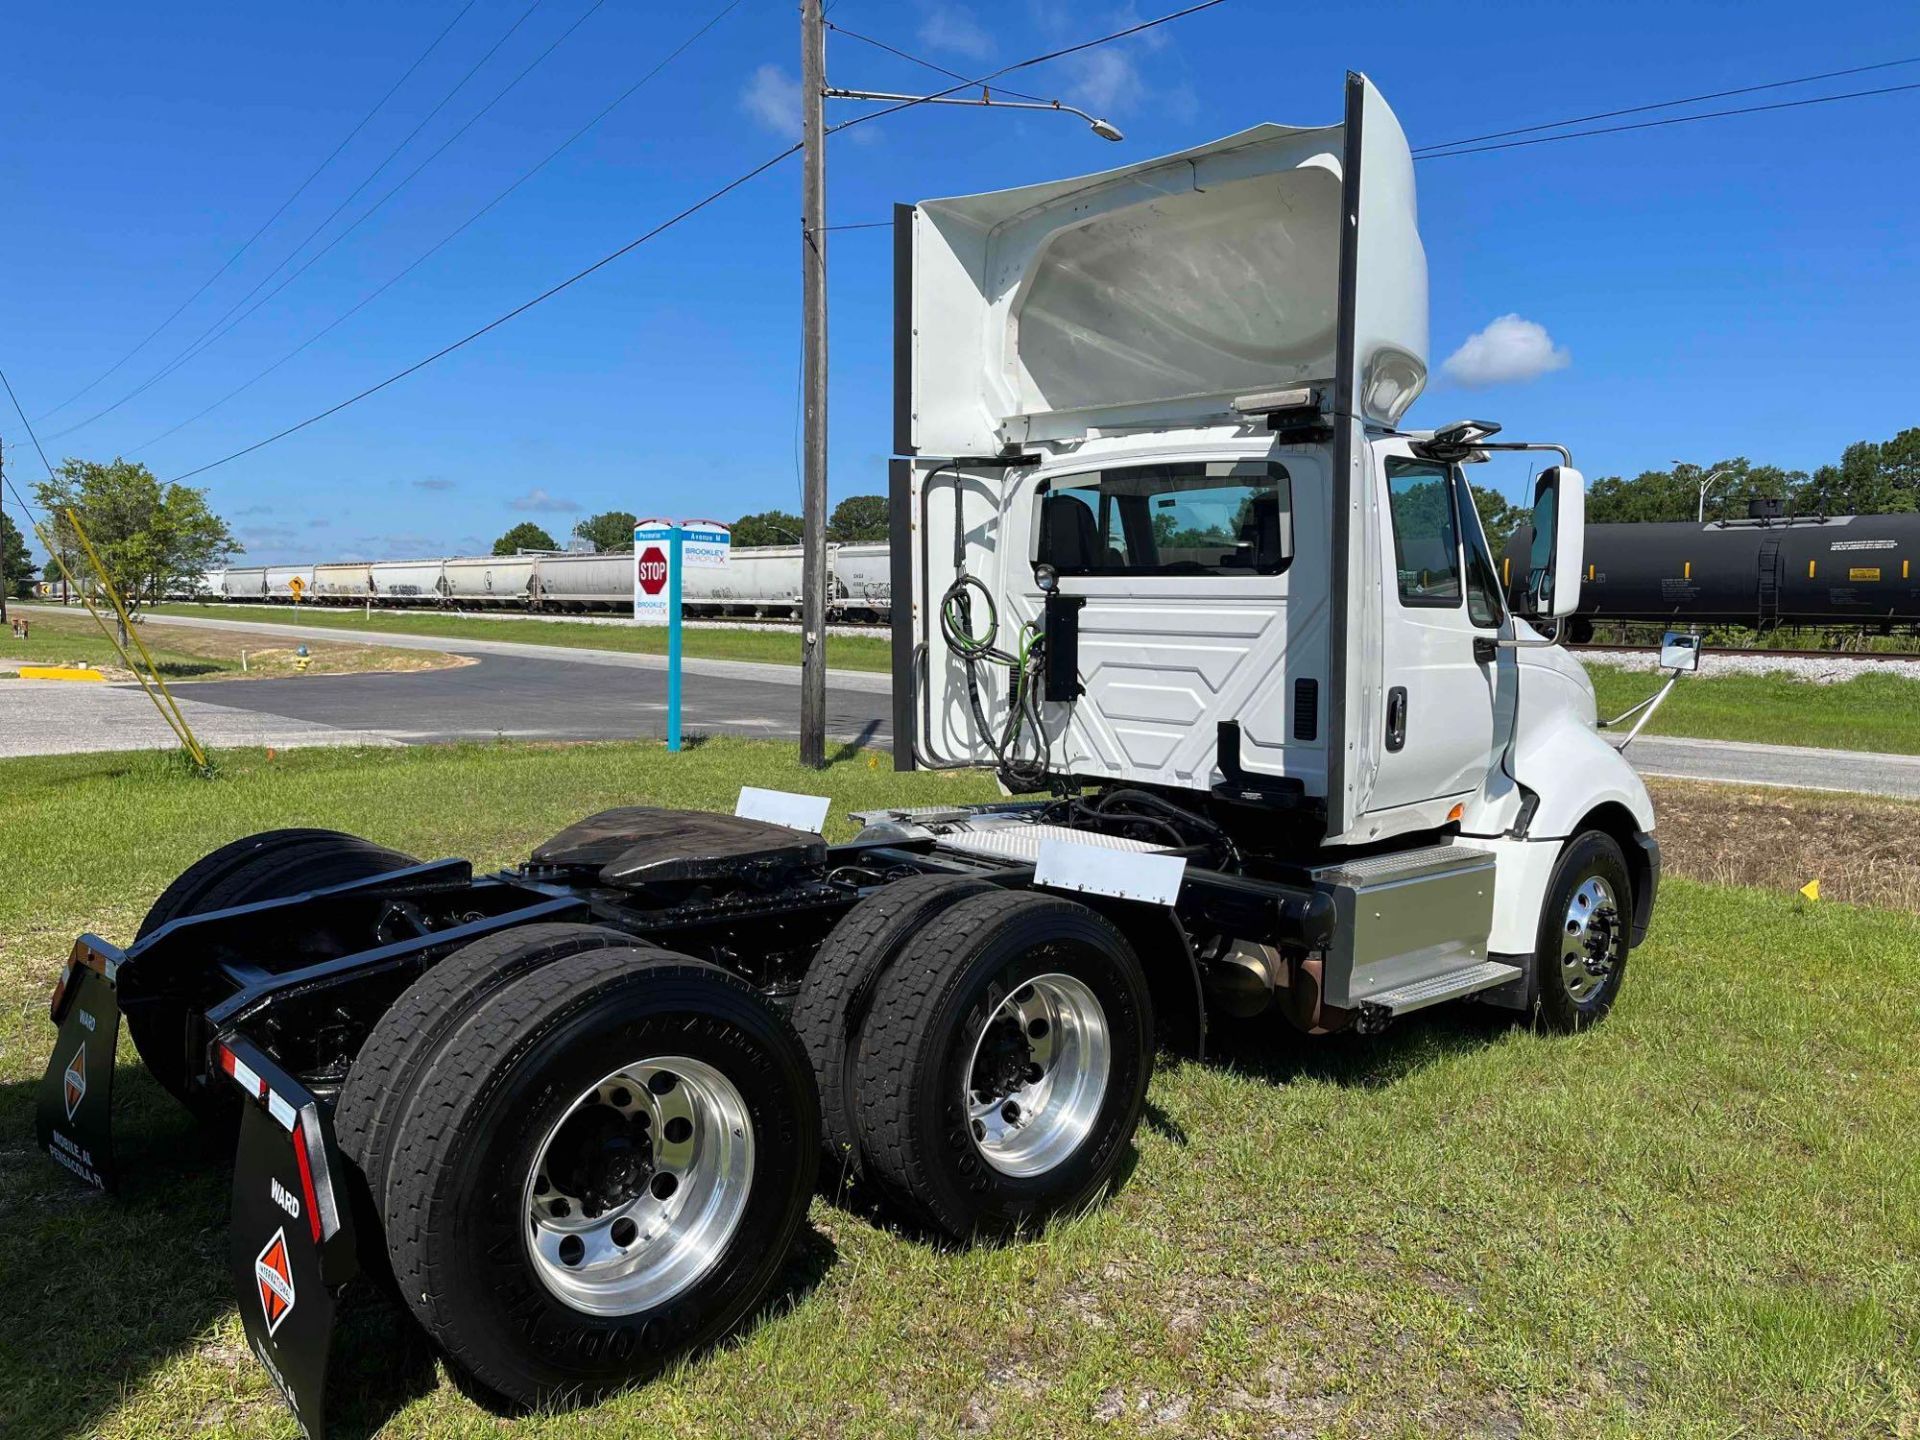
757	581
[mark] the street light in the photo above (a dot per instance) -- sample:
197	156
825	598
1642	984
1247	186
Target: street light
1700	515
1105	129
814	93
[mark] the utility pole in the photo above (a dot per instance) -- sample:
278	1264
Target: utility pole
813	260
3	530
813	378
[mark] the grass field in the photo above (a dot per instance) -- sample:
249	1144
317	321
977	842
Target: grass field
1877	712
60	637
1702	1218
778	647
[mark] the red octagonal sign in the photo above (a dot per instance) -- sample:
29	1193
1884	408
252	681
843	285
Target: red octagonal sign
653	570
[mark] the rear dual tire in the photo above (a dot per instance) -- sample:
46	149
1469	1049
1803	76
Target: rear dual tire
584	1085
272	865
1003	1064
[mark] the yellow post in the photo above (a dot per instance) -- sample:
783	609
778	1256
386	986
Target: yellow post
179	721
75	588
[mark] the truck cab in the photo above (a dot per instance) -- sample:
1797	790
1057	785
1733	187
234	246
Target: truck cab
1159	524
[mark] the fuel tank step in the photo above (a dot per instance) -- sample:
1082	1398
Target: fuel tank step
1438	988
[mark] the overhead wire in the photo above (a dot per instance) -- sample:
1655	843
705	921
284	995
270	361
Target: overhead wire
1031	61
498	321
201	341
640	240
457	231
1671	120
402	184
247	245
1468	147
1667	104
917	60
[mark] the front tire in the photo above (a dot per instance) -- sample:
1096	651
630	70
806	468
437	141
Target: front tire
1004	1063
1586	923
601	1169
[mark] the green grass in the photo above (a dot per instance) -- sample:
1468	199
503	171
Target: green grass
1702	1218
1878	712
779	647
56	640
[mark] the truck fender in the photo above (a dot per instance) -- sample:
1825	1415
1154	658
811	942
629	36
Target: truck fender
1573	773
291	1239
1172	970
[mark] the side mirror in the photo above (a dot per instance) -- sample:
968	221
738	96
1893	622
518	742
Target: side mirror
1679	653
1559	544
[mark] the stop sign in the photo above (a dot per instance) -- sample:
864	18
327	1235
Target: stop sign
653	570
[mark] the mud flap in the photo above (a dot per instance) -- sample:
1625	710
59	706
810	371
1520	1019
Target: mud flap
291	1235
75	1117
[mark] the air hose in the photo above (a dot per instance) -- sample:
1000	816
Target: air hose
975	648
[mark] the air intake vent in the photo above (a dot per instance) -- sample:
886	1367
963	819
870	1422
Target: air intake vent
1306	708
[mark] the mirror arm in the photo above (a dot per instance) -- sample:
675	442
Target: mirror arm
1644	709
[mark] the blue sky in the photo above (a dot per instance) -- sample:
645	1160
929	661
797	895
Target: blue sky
1741	286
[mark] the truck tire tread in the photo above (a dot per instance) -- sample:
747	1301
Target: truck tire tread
450	1113
838	988
403	1042
898	1063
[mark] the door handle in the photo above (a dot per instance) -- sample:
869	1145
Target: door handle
1396	717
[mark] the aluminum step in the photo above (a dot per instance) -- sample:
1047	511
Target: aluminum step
1419	994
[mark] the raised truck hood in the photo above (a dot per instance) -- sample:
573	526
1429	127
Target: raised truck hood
1158	293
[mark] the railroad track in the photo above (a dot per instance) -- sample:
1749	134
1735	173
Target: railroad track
1763	652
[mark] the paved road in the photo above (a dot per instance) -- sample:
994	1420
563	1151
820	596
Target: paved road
624	659
1794	766
559	699
499	695
554	693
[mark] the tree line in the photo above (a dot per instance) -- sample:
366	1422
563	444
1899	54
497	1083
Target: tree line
856	518
1871	478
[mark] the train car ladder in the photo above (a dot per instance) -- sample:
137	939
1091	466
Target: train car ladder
1769	596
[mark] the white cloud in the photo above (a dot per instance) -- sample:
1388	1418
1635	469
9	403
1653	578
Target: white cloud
1104	80
538	501
952	27
773	98
1509	351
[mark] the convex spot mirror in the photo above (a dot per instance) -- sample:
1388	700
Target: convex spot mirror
1559	544
1680	653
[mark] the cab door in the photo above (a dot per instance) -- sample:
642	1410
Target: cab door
1440	617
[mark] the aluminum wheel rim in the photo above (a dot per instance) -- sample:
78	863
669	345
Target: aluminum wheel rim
674	1206
1028	1122
1590	939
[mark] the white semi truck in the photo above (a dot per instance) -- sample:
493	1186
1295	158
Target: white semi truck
1273	743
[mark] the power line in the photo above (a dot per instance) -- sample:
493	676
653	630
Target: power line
663	226
200	342
1444	152
1674	120
332	155
459	229
1029	62
468	339
928	64
1668	104
402	184
30	435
